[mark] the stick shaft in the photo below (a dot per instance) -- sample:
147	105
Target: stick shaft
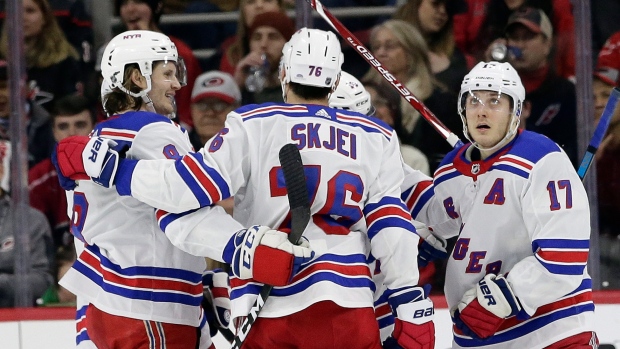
428	115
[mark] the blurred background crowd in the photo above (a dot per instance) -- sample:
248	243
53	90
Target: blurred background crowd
232	48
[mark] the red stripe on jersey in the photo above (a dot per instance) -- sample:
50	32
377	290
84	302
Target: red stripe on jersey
80	324
549	308
382	310
564	256
364	121
387	211
160	213
516	161
344	269
274	108
420	188
206	182
219	292
142	282
115	134
441	170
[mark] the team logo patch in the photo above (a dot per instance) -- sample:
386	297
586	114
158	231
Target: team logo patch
475	168
213	82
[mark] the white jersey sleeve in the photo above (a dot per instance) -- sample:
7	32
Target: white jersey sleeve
558	216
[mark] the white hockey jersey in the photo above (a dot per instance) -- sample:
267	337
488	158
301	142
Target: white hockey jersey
129	267
353	172
522	212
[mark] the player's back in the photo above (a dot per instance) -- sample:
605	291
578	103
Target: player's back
129	267
353	172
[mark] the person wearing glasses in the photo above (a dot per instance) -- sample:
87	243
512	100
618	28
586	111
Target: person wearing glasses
215	94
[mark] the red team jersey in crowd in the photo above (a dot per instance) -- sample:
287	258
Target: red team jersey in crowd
353	170
129	267
522	212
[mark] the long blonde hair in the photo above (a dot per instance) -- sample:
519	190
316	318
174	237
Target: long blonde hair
49	47
421	81
441	42
241	46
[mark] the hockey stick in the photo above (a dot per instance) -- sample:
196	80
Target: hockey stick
599	133
404	92
297	193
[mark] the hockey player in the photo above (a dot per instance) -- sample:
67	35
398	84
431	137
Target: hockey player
144	286
353	170
517	276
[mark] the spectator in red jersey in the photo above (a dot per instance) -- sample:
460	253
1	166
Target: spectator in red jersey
145	15
71	116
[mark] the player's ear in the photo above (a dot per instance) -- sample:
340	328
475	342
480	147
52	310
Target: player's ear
138	79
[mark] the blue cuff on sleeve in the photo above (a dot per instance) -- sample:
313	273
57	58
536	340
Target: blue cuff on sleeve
124	175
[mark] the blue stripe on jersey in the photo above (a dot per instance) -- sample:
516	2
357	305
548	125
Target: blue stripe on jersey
251	288
319	276
511	169
159	296
171	217
124	173
133	121
175	274
445	176
81	336
562	269
393	212
422	200
207	185
559	243
81	312
528	327
368	124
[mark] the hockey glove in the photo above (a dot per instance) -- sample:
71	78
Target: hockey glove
65	182
431	247
80	157
484	308
413	327
265	255
216	300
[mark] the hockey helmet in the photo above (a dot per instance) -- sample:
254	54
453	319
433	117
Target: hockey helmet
498	77
312	57
350	94
142	47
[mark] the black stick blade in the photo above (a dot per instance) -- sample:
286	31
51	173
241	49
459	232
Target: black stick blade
295	181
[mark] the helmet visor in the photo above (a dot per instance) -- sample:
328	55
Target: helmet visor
494	101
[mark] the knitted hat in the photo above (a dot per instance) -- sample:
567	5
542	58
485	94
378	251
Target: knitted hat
275	19
608	65
157	7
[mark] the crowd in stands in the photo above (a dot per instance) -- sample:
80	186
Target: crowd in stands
428	45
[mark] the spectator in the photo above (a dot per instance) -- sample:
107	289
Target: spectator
434	19
145	15
52	63
267	35
403	51
386	100
238	46
215	94
57	295
553	111
485	21
606	77
39	278
38	129
71	116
